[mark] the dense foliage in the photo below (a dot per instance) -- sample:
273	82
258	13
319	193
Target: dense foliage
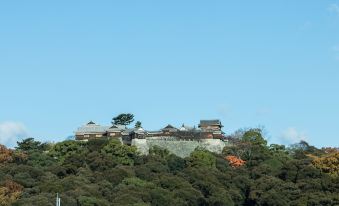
105	172
123	119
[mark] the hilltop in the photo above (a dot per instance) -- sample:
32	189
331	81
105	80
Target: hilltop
106	172
180	141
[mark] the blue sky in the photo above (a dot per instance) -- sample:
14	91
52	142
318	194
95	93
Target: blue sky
274	64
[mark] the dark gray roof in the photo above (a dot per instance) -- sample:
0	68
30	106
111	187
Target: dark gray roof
127	131
117	127
154	132
209	122
169	127
92	128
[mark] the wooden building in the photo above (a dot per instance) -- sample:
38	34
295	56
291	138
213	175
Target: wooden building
91	131
207	129
212	126
115	131
169	130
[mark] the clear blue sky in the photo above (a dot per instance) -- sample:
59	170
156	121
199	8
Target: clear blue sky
248	63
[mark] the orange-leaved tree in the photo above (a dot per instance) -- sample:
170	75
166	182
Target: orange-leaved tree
234	161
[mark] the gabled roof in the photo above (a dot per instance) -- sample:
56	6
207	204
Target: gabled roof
92	128
117	127
169	127
90	123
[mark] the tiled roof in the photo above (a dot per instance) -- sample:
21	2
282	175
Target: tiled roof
92	129
209	122
154	132
169	127
117	128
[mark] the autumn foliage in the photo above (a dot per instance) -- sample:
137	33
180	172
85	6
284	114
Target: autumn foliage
6	155
10	191
329	150
328	164
235	161
105	172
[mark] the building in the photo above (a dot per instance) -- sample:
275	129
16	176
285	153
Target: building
207	129
169	129
212	128
91	131
214	125
116	131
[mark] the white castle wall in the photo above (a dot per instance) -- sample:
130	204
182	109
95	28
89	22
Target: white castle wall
181	148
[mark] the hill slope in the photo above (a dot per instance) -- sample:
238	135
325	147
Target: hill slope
102	172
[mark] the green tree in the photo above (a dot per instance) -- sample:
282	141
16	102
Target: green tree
255	137
107	172
202	158
123	119
120	153
138	124
273	191
91	201
62	150
29	145
34	200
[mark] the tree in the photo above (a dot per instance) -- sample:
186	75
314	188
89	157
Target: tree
120	153
29	145
89	201
123	119
202	158
303	150
252	148
5	154
269	190
328	164
9	192
106	172
235	161
39	199
138	124
62	150
329	150
255	137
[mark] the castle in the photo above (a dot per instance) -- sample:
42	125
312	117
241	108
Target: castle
207	129
179	141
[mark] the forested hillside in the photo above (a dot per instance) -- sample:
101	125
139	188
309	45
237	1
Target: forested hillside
104	172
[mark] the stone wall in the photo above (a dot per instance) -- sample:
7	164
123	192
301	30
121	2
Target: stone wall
181	148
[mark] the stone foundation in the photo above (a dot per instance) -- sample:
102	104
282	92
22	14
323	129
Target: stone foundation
181	148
